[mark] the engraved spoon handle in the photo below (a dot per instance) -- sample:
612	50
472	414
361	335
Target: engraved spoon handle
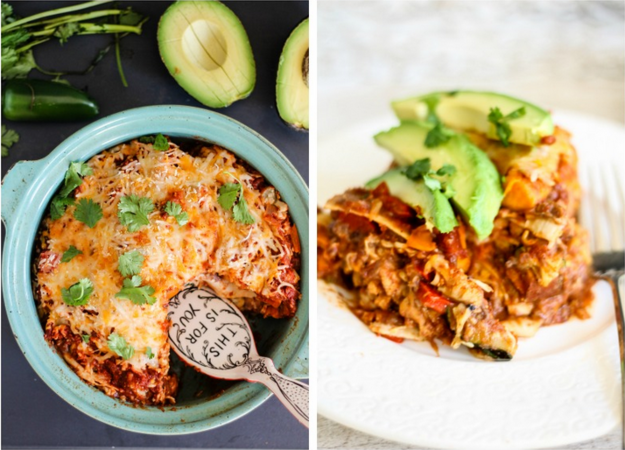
292	393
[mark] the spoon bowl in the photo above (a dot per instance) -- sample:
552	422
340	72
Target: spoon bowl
211	334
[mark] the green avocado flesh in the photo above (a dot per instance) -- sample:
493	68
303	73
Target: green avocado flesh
476	183
292	82
206	50
432	205
468	111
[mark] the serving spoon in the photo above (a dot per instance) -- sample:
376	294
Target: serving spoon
211	334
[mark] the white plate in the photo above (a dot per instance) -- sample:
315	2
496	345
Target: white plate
563	385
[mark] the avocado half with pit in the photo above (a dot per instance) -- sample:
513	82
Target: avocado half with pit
292	82
468	111
207	51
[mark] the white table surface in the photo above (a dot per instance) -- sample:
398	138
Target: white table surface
560	55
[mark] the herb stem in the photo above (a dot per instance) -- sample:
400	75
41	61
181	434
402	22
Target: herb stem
94	28
54	12
31	45
51	23
120	69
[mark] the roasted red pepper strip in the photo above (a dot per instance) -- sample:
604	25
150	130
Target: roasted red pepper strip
433	299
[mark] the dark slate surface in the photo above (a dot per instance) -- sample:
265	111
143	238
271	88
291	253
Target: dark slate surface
33	415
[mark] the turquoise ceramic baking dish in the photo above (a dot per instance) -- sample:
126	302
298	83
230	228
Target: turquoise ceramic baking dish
26	191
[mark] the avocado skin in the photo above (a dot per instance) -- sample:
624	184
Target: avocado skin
234	78
477	185
292	80
432	205
468	111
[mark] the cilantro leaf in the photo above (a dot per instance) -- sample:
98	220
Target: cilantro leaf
85	338
133	212
421	169
174	209
241	213
70	254
16	65
88	212
130	263
58	205
160	143
418	168
15	38
228	194
67	30
73	177
146	139
148	353
446	169
437	136
137	294
182	219
7	14
9	137
231	196
78	293
119	345
502	128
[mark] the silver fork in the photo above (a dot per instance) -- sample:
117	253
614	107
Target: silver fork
603	214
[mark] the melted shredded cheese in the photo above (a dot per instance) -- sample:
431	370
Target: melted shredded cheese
246	262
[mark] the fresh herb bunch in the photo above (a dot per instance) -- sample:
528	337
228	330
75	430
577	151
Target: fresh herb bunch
20	36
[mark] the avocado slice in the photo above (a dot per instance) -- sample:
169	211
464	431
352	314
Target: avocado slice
431	204
207	51
476	183
292	82
468	110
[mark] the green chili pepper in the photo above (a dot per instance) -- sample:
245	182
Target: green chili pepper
40	101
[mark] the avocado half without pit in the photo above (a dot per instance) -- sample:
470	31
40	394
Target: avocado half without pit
292	82
207	51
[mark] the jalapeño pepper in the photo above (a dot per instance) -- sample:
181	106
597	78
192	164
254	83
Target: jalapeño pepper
40	100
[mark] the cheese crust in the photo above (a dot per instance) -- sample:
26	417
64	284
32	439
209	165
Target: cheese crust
255	265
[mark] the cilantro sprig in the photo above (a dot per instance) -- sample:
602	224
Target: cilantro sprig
174	209
9	137
437	136
159	142
133	212
70	254
148	353
86	338
500	121
137	294
231	197
88	212
78	293
422	169
73	178
130	263
118	344
58	206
